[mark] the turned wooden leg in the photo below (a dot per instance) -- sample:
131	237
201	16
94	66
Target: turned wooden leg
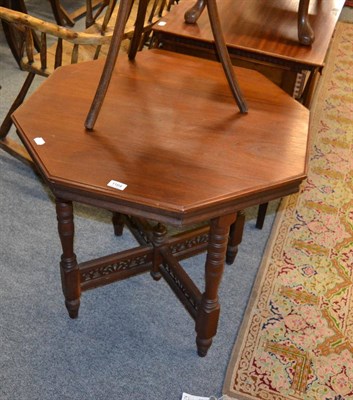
305	31
118	223
70	276
235	237
192	14
208	312
159	235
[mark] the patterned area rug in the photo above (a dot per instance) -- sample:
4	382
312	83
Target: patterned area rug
296	341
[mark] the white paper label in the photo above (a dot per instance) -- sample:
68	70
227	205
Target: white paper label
187	396
39	141
117	185
163	23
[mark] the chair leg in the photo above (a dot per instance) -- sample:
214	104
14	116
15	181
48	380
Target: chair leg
261	215
60	14
191	16
224	55
7	123
123	13
138	32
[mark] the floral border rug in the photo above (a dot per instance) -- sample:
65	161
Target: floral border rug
296	341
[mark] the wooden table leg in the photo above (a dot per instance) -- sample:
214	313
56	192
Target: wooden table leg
192	14
235	237
70	275
305	31
118	223
261	215
208	313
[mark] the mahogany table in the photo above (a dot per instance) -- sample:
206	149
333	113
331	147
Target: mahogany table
163	152
306	34
260	34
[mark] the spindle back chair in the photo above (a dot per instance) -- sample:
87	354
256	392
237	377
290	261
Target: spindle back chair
45	46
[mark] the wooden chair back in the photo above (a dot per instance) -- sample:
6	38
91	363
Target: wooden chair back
44	46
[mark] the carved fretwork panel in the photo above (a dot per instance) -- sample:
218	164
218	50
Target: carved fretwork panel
194	242
190	298
141	229
112	268
116	267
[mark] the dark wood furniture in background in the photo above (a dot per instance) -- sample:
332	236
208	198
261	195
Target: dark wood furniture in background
260	34
165	150
29	37
305	32
61	15
62	18
13	38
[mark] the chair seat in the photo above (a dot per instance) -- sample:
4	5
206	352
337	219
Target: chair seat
172	135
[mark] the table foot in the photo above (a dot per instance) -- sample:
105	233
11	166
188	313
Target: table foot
70	275
306	34
202	346
72	308
192	14
208	313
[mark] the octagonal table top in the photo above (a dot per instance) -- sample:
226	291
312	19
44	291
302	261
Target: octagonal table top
170	131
